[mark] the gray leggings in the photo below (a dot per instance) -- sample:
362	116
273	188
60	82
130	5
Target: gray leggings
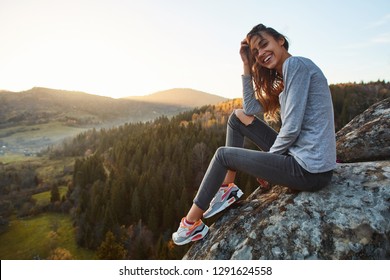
274	168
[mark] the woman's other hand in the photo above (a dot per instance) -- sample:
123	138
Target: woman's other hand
246	57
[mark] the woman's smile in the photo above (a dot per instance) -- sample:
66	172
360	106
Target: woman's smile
267	59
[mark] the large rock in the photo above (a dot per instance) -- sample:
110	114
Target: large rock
349	219
367	136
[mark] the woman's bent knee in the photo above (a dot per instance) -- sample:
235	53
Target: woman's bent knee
244	118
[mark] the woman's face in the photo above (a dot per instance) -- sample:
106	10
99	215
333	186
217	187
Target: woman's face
268	52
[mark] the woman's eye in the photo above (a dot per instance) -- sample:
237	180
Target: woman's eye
263	44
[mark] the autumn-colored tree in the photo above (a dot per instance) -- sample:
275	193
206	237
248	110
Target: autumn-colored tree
111	249
60	254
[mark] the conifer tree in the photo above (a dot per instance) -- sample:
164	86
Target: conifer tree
54	194
135	206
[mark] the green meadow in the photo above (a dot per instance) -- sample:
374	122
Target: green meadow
43	198
14	157
35	238
45	132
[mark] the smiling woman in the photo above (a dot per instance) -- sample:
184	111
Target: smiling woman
301	156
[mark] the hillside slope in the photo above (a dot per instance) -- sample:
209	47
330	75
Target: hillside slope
34	119
39	105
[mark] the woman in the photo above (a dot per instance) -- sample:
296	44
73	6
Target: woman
303	154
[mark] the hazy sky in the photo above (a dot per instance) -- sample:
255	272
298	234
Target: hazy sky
126	47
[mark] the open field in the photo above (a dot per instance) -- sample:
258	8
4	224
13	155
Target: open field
43	198
14	157
50	169
33	138
47	169
34	238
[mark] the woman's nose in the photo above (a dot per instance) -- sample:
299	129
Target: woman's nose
259	55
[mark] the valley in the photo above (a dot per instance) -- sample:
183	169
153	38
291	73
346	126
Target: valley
32	120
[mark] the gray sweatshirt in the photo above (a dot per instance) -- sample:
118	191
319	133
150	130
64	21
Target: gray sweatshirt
307	132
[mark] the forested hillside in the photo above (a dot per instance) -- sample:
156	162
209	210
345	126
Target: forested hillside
139	180
351	99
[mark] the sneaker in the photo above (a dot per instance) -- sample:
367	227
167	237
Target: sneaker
186	234
225	197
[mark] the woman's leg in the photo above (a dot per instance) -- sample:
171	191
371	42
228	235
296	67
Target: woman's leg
277	169
240	126
194	214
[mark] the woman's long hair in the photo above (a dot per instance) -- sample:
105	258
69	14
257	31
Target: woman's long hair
268	83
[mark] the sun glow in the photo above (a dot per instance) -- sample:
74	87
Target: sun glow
120	48
74	47
89	64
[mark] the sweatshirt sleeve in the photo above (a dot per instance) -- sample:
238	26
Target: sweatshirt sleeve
251	105
296	90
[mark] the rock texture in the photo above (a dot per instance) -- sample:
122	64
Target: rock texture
366	137
349	219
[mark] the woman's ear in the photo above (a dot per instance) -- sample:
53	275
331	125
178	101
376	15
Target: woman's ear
281	41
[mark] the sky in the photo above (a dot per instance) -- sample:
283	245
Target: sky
121	48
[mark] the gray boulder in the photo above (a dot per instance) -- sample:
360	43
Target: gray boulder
349	219
367	136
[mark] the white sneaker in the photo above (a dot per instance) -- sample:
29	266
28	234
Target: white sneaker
186	234
225	197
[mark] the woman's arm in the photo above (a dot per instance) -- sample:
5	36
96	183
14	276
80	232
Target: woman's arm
251	105
293	105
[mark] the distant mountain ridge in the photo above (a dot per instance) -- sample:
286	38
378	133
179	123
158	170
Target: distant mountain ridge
40	102
181	97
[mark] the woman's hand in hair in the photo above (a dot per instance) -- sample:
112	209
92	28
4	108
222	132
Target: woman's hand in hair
246	57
